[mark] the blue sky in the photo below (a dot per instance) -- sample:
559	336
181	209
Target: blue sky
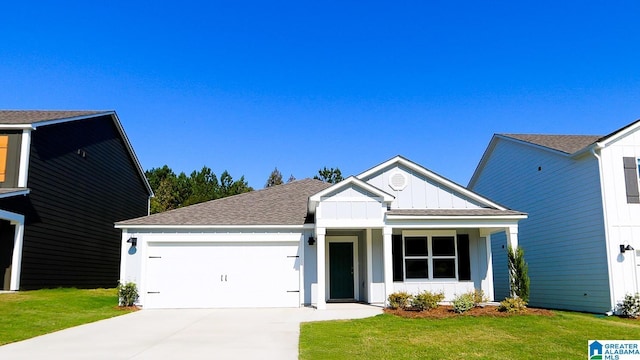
247	86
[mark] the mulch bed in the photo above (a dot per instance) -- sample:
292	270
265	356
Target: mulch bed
446	311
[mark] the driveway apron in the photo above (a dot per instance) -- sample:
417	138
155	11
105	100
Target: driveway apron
185	334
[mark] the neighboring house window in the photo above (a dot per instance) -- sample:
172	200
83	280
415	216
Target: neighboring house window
4	145
631	165
426	256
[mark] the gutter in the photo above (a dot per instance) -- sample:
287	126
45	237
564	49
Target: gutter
595	149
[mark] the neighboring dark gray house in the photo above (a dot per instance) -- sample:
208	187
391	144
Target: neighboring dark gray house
65	178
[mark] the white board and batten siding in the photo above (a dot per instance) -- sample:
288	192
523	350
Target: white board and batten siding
415	191
623	218
211	269
563	237
350	207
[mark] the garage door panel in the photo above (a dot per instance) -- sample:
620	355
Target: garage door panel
222	275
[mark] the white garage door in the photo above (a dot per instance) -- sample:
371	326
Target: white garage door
211	275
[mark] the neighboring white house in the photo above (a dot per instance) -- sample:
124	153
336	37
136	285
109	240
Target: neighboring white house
397	226
581	194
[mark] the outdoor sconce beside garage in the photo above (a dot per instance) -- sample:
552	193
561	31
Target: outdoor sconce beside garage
133	241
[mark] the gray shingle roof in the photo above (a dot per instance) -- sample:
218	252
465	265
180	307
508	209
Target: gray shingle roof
278	205
566	143
453	212
34	116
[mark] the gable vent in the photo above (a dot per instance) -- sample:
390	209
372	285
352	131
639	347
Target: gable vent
398	181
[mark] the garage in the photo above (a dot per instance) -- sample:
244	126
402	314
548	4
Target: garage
241	251
222	274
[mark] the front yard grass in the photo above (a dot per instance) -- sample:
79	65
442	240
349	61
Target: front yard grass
27	314
563	336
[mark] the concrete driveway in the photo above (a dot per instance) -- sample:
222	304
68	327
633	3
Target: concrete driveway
185	334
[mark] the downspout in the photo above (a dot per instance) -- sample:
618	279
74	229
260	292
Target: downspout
594	151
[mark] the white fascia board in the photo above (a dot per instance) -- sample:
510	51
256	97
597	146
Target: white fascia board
315	199
12	217
215	227
483	161
452	223
455	218
433	176
15	193
620	133
118	124
132	153
35	125
16	127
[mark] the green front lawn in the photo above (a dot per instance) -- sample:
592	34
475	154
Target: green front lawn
563	336
27	314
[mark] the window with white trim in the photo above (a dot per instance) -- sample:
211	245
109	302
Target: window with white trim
429	255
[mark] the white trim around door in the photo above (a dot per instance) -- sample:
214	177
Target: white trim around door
342	239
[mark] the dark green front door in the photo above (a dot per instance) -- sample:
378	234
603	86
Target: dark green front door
341	271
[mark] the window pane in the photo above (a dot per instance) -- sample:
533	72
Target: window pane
415	246
444	268
396	251
464	263
417	268
443	246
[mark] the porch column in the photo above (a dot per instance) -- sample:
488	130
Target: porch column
369	265
321	301
16	260
388	262
487	282
512	236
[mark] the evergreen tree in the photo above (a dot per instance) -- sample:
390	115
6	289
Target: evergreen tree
331	175
275	178
518	273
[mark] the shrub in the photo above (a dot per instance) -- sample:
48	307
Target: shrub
127	294
513	305
400	299
464	302
631	305
478	297
518	273
426	300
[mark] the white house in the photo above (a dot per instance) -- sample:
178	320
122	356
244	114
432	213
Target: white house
581	194
397	226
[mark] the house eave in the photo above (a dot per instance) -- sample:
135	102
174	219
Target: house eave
456	217
17	192
17	127
213	227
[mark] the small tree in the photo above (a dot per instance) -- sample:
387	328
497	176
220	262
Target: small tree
331	176
275	178
518	273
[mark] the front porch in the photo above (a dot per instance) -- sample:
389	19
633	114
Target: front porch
366	265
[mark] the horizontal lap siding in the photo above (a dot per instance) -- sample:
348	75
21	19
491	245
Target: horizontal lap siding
563	238
70	239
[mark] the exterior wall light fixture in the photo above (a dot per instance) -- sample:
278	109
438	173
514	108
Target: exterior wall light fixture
133	241
624	248
312	240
